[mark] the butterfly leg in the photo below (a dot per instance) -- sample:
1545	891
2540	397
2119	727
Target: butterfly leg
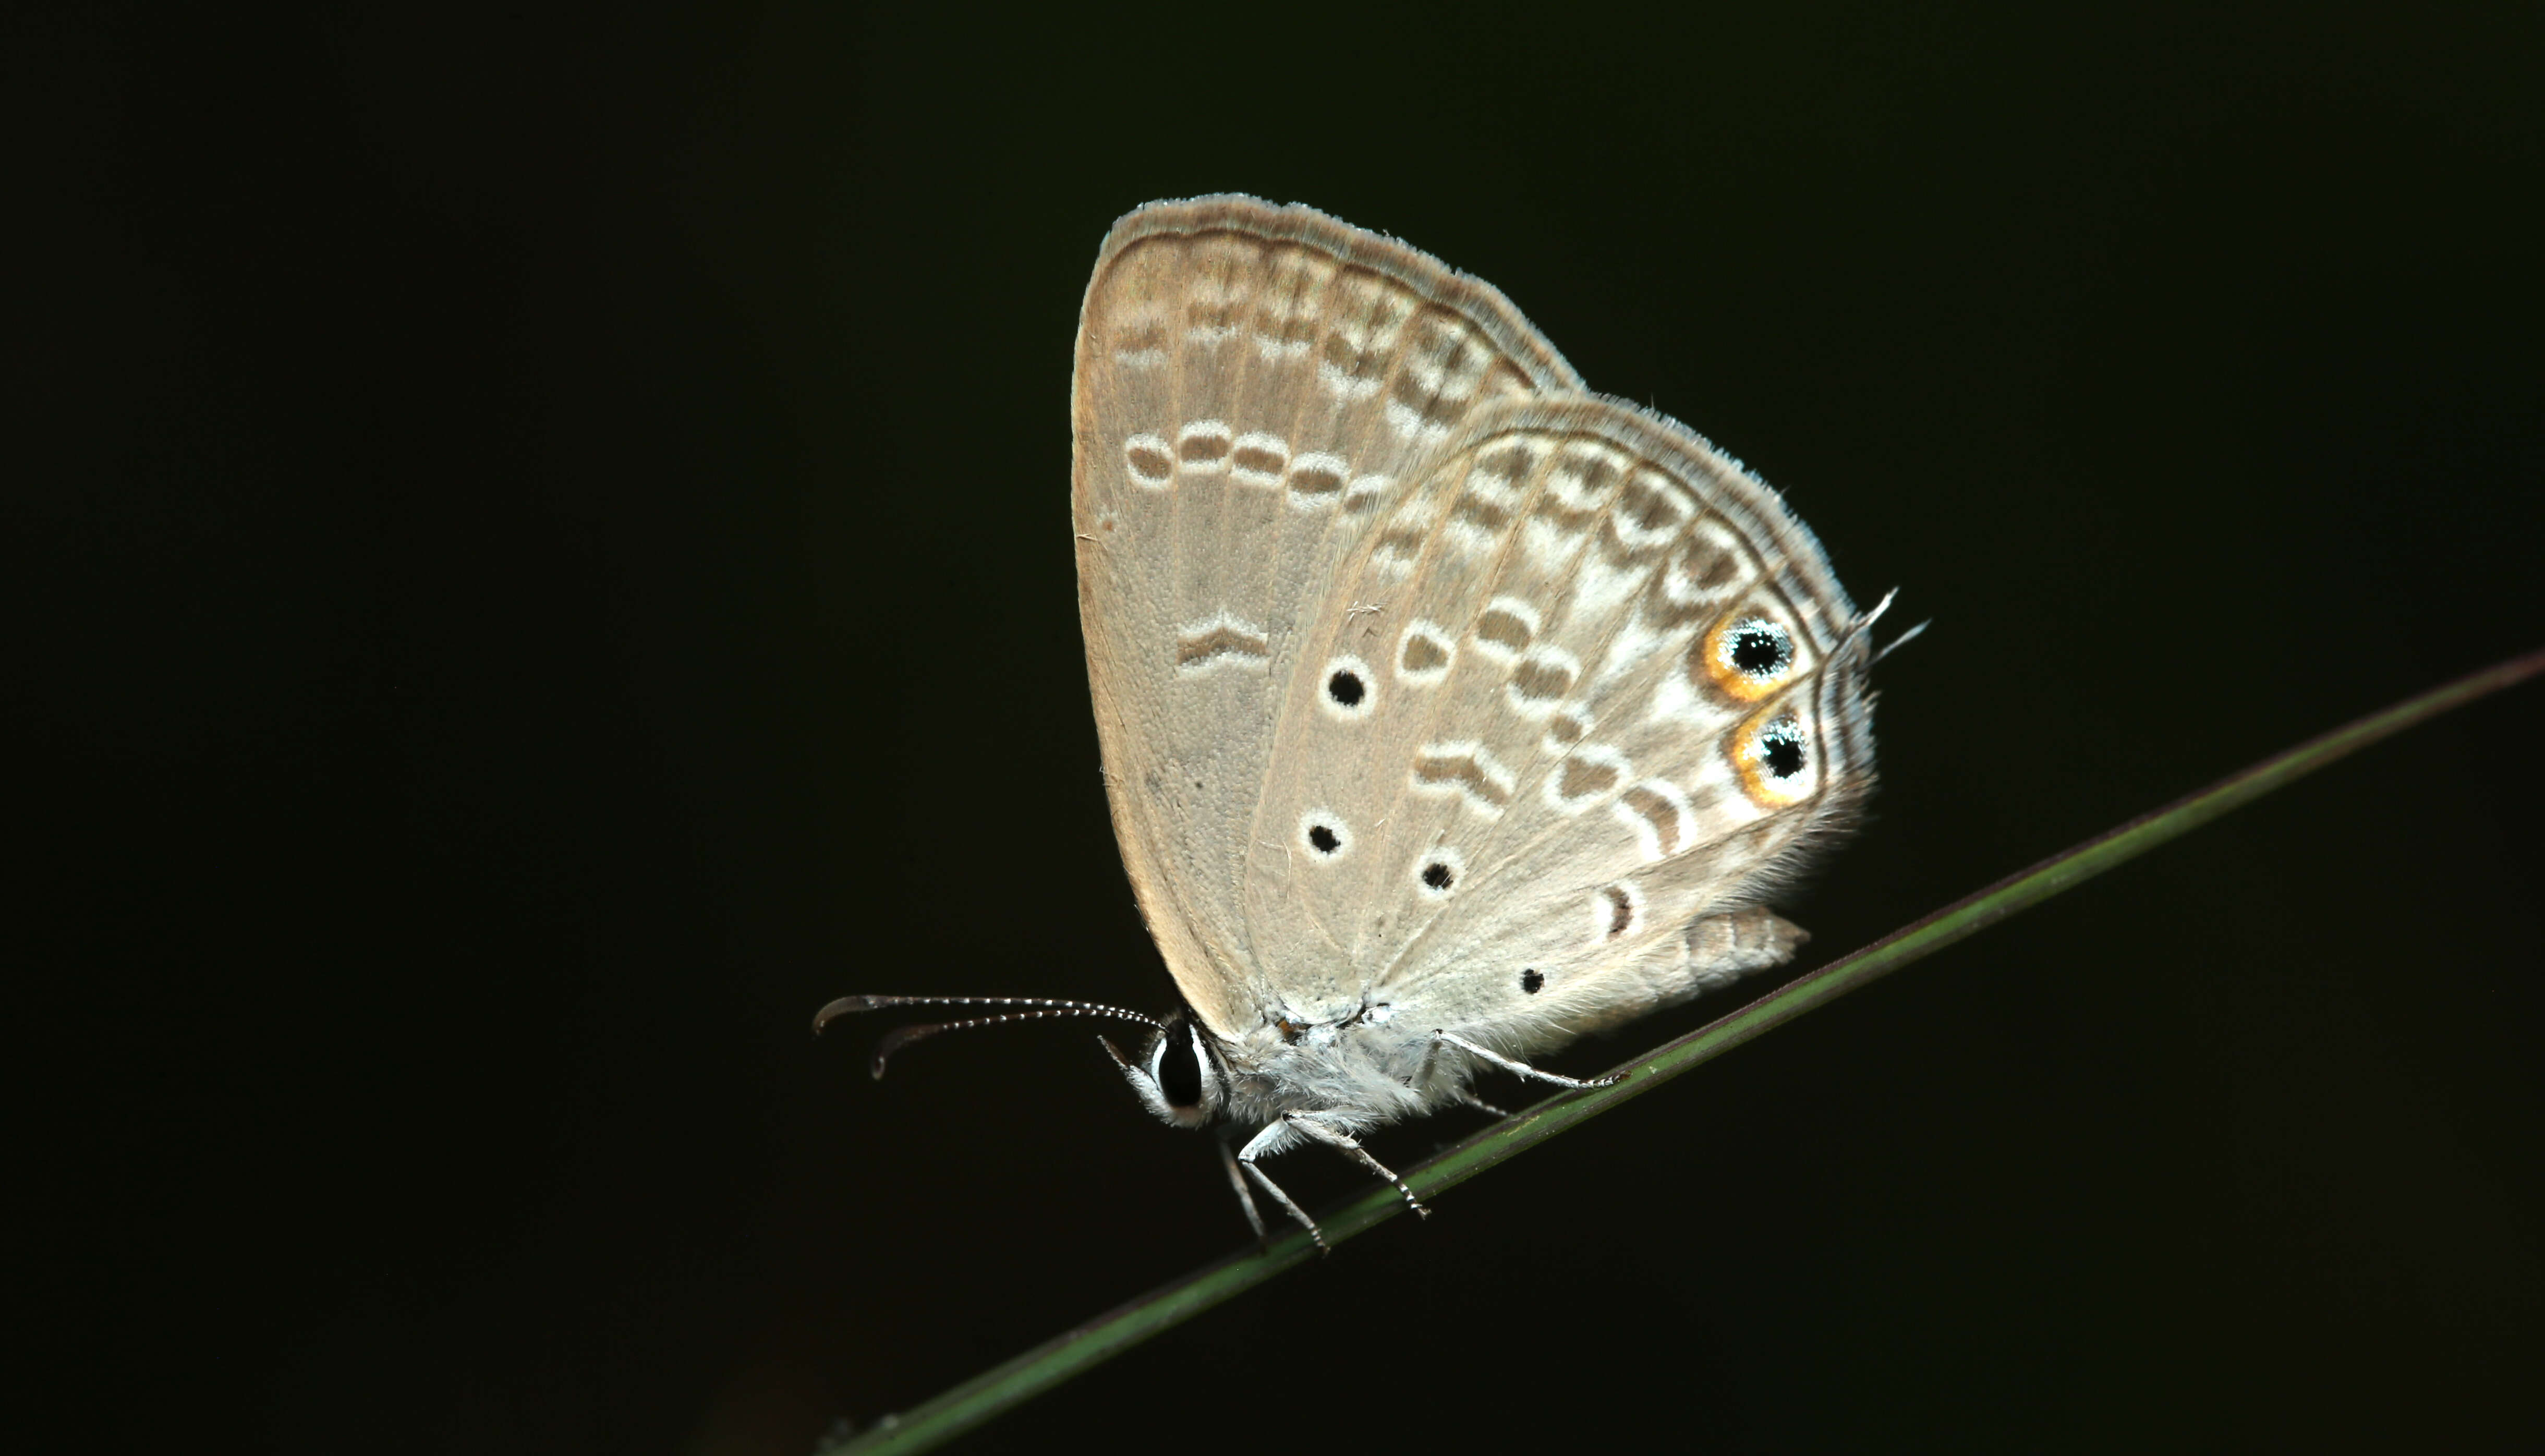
1344	1143
1520	1067
1245	1194
1274	1139
1467	1099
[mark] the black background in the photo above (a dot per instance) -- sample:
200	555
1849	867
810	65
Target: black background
543	558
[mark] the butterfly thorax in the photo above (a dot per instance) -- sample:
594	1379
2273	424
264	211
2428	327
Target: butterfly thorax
1368	1070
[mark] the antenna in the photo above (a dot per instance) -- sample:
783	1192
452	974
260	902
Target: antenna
900	1037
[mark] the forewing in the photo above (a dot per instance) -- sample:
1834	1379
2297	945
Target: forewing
1615	688
1254	386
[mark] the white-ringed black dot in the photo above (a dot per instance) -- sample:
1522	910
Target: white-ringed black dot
1531	980
1346	687
1780	749
1759	648
1323	835
1438	872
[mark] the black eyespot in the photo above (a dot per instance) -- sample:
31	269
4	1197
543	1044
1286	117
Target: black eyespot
1346	687
1529	981
1179	1068
1780	749
1438	874
1323	838
1761	648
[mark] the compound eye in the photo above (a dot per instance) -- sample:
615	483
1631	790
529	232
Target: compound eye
1178	1066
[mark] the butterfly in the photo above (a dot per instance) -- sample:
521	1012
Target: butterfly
1450	710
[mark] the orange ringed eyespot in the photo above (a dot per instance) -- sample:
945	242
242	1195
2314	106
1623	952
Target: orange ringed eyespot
1773	755
1748	654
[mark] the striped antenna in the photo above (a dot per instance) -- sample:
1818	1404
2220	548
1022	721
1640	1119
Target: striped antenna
903	1037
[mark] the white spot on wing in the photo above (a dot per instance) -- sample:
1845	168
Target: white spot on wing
1440	862
1541	679
1658	496
1365	492
1506	628
1657	812
1424	652
1586	474
1336	831
1258	459
1589	774
1616	910
1202	446
1468	539
1633	644
1408	423
1150	459
1566	728
1345	386
1466	769
1222	640
1550	547
1316	480
1598	587
1362	687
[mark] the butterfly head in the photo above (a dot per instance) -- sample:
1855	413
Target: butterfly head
1177	1075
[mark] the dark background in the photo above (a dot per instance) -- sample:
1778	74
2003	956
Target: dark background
543	558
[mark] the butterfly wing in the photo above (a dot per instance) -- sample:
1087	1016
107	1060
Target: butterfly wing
1615	694
1255	387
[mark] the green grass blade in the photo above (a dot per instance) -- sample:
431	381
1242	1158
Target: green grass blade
994	1391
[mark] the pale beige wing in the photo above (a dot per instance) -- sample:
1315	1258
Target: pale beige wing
1614	690
1253	384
